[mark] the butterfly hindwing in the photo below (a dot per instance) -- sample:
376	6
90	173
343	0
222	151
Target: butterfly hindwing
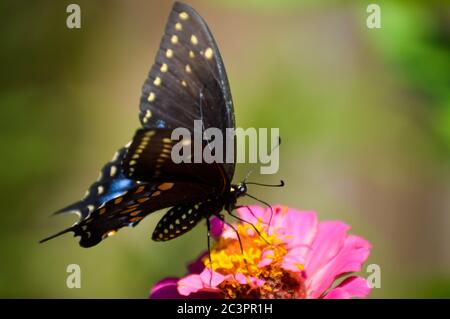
182	218
111	183
131	207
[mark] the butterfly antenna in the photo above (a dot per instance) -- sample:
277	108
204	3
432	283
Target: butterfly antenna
254	165
264	203
281	184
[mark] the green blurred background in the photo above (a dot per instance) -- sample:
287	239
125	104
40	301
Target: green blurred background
364	116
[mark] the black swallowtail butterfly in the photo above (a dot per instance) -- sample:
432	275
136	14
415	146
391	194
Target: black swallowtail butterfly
187	82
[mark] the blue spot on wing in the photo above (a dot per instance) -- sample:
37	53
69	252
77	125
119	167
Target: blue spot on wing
160	124
108	187
116	188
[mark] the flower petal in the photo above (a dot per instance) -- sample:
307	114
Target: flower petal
327	243
211	279
293	260
216	227
244	280
301	228
166	289
266	258
200	282
251	214
190	284
351	287
349	259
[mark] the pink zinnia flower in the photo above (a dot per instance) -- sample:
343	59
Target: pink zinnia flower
297	257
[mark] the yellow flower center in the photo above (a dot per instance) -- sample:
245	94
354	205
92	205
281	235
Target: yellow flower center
227	258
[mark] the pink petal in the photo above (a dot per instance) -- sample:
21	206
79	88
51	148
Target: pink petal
243	280
228	232
327	243
251	214
349	259
211	279
190	284
240	278
293	260
216	227
200	282
266	258
351	287
166	289
301	228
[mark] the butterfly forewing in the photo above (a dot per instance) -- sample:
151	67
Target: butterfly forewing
188	80
188	63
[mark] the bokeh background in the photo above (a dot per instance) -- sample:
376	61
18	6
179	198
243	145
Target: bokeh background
364	117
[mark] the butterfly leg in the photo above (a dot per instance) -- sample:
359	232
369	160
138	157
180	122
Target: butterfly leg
266	204
248	208
247	222
208	234
221	217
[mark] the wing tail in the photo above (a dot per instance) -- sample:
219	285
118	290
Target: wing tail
57	234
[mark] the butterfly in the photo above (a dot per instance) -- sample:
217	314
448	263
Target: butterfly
187	82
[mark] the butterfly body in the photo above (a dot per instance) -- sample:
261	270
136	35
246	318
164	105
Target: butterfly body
187	82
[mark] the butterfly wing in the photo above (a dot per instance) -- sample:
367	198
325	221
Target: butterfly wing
182	218
130	208
114	201
188	80
111	183
149	158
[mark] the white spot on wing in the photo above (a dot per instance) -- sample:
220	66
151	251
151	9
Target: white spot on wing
183	15
115	157
157	81
209	53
